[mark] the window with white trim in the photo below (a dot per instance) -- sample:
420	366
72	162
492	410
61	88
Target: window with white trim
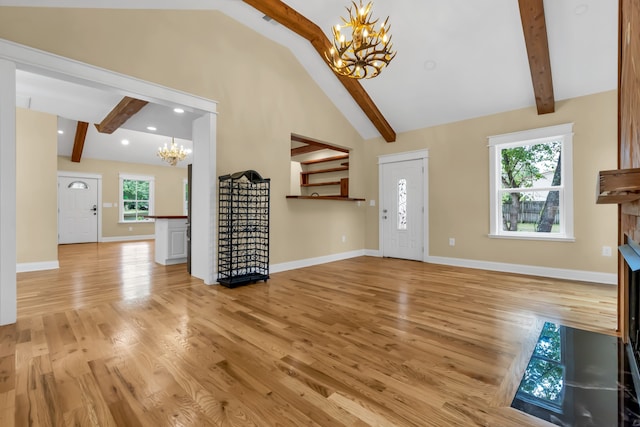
531	184
136	198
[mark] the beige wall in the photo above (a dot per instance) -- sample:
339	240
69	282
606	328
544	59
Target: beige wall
168	196
264	95
459	186
36	199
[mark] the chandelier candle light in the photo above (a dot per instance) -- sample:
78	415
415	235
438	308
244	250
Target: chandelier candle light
367	52
172	154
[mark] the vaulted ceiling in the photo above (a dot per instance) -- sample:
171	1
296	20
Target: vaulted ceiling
457	59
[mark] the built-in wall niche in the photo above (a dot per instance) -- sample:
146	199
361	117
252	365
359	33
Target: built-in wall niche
319	170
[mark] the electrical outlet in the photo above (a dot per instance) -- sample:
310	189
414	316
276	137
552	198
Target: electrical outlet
606	251
130	228
372	202
344	238
452	241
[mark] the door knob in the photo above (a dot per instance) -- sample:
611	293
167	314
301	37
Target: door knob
94	208
384	210
384	217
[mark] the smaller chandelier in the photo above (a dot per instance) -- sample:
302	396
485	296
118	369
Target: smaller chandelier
172	154
367	52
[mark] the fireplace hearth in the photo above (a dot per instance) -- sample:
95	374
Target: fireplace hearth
631	255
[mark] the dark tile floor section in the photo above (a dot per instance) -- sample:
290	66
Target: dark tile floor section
577	378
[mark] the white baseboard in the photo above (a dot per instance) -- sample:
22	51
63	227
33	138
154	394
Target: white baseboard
128	238
24	267
292	265
556	273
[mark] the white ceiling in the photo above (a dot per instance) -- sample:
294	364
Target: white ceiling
456	59
73	102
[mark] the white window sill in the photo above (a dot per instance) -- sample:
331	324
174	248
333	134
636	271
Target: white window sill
529	236
137	222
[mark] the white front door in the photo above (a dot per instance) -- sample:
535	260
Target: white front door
403	218
77	210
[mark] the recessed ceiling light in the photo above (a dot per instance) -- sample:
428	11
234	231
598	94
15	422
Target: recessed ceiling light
125	142
430	65
581	9
152	128
60	131
178	110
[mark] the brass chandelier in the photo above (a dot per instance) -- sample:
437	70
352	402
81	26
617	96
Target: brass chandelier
366	52
172	154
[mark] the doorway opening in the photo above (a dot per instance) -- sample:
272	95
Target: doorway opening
14	57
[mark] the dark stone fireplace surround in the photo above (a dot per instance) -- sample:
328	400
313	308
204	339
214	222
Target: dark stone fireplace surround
631	254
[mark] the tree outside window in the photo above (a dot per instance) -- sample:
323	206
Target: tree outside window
136	198
528	175
531	184
543	383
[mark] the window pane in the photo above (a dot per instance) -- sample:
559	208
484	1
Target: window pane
130	211
136	196
531	211
402	204
143	206
128	189
544	380
549	344
142	190
78	185
531	166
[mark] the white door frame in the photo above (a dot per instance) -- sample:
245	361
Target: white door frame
16	56
422	155
80	175
8	257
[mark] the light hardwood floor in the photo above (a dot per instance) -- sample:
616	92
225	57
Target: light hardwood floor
113	339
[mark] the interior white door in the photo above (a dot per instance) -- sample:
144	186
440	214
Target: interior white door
402	208
77	210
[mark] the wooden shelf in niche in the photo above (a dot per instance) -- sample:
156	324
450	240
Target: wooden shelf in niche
339	198
320	184
326	159
335	165
333	180
618	186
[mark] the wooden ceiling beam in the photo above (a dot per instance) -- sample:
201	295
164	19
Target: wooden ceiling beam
120	114
312	145
300	25
310	141
78	142
534	28
304	150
